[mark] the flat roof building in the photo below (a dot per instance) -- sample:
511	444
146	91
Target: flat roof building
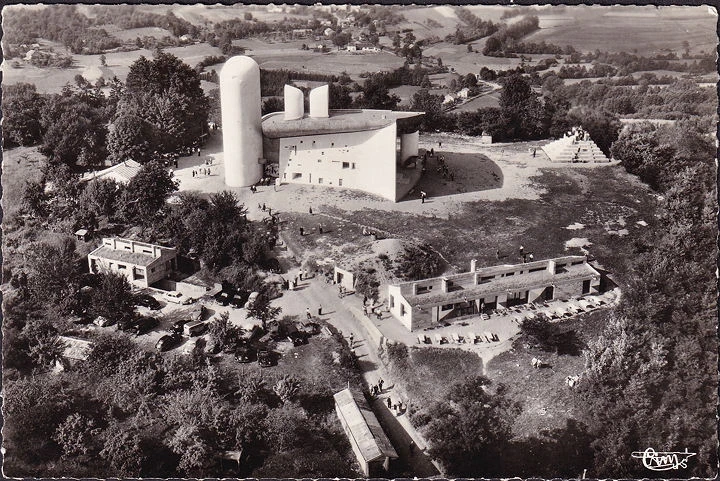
368	440
143	264
429	302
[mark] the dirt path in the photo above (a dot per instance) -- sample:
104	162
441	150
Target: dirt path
313	293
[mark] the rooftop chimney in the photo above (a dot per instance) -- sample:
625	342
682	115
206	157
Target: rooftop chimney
294	104
444	284
319	100
551	267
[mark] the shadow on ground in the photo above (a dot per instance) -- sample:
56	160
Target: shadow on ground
470	173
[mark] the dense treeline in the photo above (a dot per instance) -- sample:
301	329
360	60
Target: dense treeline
272	82
59	23
130	16
476	27
506	38
657	357
676	100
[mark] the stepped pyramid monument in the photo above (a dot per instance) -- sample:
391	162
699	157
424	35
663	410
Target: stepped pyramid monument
575	146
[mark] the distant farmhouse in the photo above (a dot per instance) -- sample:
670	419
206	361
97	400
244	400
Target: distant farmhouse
429	302
143	264
323	147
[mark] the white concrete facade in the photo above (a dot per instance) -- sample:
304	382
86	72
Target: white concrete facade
319	100
362	160
294	103
242	131
409	145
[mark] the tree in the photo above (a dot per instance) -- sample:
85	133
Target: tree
418	262
52	277
34	199
195	453
144	198
262	310
22	106
273	104
539	332
111	297
470	428
130	139
375	95
166	93
339	96
221	332
521	108
122	449
74	434
75	130
424	101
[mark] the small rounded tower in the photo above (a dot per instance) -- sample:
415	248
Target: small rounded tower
241	121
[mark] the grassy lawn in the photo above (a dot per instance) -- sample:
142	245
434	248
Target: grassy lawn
426	375
19	165
546	400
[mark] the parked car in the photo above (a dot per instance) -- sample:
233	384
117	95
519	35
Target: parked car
145	324
264	357
146	300
223	298
126	324
178	326
102	321
194	328
177	298
239	299
251	299
244	354
168	341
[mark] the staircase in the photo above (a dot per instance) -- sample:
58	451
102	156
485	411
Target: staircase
569	149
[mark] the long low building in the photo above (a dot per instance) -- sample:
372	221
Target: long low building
143	264
429	302
367	438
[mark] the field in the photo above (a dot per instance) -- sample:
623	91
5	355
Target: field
652	30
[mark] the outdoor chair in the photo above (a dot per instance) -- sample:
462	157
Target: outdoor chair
471	337
455	338
438	338
488	336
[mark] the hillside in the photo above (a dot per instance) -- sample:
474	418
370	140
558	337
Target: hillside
653	30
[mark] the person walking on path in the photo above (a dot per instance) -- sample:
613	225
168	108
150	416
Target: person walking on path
389	403
380	383
351	339
198	151
423	196
320	228
320	310
307	314
310	210
302	232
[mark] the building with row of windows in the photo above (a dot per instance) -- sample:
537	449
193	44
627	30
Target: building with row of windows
430	302
141	263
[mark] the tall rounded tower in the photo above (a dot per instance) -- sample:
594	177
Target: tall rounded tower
241	119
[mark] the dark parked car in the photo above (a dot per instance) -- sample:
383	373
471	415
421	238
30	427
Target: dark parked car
223	298
146	300
168	341
179	326
265	359
244	354
145	324
298	338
